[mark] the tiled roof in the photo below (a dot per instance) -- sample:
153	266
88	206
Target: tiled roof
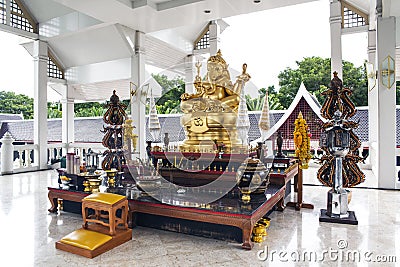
88	129
363	130
9	117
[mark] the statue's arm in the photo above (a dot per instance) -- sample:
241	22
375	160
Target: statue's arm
240	81
200	93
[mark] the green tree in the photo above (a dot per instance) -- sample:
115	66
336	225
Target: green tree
89	109
315	73
172	89
16	104
257	103
273	100
54	110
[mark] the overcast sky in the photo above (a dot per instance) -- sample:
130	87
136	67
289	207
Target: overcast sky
267	41
273	40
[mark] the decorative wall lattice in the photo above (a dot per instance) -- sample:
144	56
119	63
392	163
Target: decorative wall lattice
18	18
204	41
2	12
353	17
14	14
53	71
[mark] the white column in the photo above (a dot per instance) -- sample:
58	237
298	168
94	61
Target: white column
40	102
373	106
335	20
189	75
7	153
138	113
214	30
68	115
386	123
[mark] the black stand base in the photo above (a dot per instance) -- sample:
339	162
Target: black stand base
349	220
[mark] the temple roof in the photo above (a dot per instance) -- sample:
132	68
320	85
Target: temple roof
87	130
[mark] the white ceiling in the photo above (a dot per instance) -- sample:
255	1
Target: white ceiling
86	32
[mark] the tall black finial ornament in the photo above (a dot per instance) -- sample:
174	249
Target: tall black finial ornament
339	163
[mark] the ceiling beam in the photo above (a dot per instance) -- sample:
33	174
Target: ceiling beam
175	3
142	3
19	32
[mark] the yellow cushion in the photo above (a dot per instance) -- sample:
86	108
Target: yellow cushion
85	239
105	198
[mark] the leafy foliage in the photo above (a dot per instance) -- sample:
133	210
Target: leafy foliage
315	73
257	103
12	103
54	110
89	109
169	102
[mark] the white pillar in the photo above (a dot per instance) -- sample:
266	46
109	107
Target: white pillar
373	106
68	115
335	20
386	123
214	31
7	154
138	113
40	102
189	75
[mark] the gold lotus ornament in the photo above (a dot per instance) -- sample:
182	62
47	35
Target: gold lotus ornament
260	230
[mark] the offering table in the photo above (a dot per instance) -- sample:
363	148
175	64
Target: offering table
227	210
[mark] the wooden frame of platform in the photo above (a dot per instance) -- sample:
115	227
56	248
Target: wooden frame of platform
244	222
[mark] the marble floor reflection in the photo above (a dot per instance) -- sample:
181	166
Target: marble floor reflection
294	238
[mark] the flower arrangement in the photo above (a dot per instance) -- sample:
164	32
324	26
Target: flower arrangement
301	140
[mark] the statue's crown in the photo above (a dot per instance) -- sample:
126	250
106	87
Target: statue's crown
217	58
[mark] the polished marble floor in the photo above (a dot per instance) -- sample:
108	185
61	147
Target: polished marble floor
29	232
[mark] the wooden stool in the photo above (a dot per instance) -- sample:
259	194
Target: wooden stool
105	202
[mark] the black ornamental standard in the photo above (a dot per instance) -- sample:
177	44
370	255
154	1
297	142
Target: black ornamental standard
339	163
114	117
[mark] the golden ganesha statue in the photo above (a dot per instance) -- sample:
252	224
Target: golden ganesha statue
210	114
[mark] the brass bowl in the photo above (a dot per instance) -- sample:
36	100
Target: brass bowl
86	185
264	222
94	185
259	230
111	173
257	238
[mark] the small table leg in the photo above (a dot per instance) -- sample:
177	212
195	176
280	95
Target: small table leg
53	202
280	206
247	243
131	219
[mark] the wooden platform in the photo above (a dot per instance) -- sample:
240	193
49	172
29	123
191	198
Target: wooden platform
119	238
221	212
